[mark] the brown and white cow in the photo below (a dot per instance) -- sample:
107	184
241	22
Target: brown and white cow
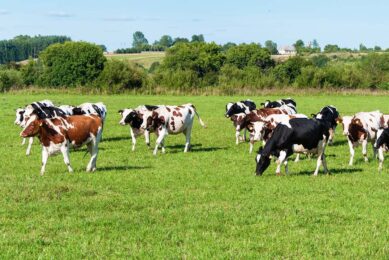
171	120
60	133
362	129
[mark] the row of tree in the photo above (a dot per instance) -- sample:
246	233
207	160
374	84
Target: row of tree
23	47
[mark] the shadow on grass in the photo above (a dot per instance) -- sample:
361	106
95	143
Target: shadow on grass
339	143
122	168
115	138
195	148
333	171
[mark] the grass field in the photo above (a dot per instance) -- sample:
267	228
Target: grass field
145	58
203	204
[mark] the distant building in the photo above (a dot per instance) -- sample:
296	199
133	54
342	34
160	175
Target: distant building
287	50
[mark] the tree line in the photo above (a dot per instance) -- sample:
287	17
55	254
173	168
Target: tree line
23	47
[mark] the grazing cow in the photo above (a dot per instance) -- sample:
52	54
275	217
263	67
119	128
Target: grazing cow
134	118
382	145
330	114
58	134
236	112
301	135
363	128
171	120
245	106
98	109
263	129
287	103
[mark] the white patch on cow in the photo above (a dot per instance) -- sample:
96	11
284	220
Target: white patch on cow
54	148
53	126
319	116
258	158
228	106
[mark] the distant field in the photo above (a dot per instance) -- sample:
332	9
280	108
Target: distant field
145	58
200	205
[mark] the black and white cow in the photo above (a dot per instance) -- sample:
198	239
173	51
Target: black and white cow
98	109
244	106
171	120
382	145
330	114
286	103
301	135
134	118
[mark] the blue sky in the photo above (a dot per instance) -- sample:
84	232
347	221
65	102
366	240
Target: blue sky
343	22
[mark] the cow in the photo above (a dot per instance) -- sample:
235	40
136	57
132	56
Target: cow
287	103
171	120
22	113
236	112
263	129
68	110
382	145
98	109
134	118
245	106
301	135
330	114
345	121
60	133
362	129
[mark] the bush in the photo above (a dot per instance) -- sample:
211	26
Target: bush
71	64
31	72
10	78
247	55
118	76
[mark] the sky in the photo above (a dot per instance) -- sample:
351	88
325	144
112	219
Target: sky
112	23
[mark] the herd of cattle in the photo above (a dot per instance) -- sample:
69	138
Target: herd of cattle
277	124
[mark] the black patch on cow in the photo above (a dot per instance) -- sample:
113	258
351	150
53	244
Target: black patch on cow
151	107
329	114
98	110
236	109
133	120
44	112
21	115
78	111
383	139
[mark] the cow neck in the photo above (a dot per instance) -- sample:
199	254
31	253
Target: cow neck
47	135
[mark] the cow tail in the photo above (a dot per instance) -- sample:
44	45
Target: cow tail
198	116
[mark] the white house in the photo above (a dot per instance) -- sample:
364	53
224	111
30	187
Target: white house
287	50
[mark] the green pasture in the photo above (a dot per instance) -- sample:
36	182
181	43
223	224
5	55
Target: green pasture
204	204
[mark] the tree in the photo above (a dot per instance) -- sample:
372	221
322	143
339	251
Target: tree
166	41
139	40
331	48
377	48
228	45
198	38
178	39
245	55
315	44
299	46
362	47
271	47
71	63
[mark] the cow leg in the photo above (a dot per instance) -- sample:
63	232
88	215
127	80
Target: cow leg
380	158
324	160
163	146
23	141
147	137
286	167
251	144
297	158
320	153
93	148
237	134
280	161
244	133
161	136
133	139
364	150
45	156
65	154
188	133
30	141
352	152
331	137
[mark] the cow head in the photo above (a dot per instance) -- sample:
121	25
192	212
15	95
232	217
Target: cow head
130	117
356	131
236	108
31	126
262	161
345	121
19	116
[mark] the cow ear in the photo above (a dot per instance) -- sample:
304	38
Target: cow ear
121	111
339	120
